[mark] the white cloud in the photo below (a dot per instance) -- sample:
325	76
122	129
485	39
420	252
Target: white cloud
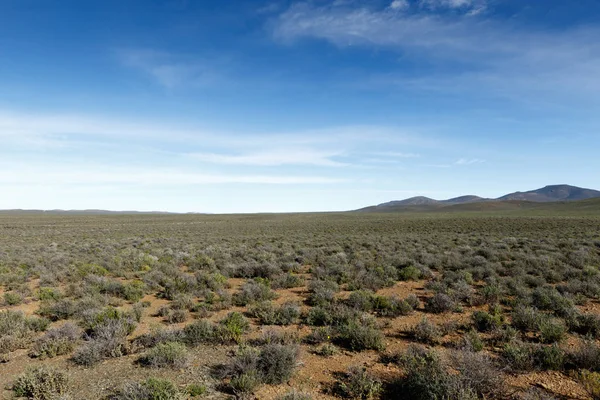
434	4
273	157
400	5
89	174
497	57
169	70
469	161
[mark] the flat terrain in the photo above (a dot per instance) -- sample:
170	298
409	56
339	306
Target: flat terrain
470	304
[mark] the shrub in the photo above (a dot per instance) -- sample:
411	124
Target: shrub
327	350
319	335
253	291
199	332
16	331
591	383
159	335
56	342
527	356
268	314
586	355
586	324
287	281
41	383
176	316
12	298
471	341
426	332
295	395
552	330
322	293
526	319
107	333
361	300
244	385
440	303
358	337
169	354
277	362
486	322
410	273
413	301
232	327
151	389
357	383
426	378
319	316
196	390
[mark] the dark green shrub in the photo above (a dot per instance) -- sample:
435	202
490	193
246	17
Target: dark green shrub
41	383
358	337
357	383
319	316
486	322
410	273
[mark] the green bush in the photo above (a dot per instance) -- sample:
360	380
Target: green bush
233	326
200	332
410	273
12	298
358	337
486	322
151	389
244	385
41	383
552	330
196	390
166	355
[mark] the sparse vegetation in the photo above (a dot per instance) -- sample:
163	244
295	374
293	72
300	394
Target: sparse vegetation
164	290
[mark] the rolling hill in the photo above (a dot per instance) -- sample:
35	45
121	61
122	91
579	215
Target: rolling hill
512	201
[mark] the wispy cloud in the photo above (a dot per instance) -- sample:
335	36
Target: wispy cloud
473	7
497	57
273	157
399	5
100	174
170	70
469	161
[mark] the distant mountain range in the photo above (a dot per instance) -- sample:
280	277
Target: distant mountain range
547	194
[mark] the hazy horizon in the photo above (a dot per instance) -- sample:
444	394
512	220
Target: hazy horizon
276	106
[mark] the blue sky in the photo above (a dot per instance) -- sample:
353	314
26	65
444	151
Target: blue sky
250	106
